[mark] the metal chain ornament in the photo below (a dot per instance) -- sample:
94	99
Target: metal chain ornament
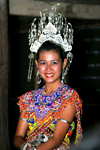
31	57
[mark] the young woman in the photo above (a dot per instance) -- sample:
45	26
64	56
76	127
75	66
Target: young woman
47	113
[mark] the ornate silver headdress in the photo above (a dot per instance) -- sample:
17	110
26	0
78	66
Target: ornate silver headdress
52	28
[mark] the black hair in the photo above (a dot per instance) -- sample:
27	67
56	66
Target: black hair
48	45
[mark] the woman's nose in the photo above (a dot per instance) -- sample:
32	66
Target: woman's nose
49	66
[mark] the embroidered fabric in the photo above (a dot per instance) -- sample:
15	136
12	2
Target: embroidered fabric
40	113
65	96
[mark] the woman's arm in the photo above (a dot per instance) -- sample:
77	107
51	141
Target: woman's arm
58	136
20	132
60	130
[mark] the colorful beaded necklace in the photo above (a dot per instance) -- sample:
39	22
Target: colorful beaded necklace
43	102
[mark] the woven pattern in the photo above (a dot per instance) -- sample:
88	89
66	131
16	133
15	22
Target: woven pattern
46	124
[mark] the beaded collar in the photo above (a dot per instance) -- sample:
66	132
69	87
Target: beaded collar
43	102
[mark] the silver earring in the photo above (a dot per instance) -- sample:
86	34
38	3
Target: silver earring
38	77
64	72
62	79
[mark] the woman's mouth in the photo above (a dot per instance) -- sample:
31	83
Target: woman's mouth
49	75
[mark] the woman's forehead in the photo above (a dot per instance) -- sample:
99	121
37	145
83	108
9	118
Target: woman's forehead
49	54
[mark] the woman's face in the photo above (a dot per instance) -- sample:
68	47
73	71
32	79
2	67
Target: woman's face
50	66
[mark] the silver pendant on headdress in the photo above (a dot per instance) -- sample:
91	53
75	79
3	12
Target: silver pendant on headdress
31	57
69	57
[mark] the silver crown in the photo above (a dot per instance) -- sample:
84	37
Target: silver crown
53	28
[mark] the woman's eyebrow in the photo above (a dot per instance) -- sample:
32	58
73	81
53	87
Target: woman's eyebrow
50	60
42	60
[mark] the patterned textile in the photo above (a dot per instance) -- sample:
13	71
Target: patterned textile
46	123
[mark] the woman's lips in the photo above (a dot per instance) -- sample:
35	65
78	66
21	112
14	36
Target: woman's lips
49	75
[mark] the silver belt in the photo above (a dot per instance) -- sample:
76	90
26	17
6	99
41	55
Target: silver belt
41	138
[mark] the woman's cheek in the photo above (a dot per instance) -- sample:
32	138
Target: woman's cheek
58	68
41	69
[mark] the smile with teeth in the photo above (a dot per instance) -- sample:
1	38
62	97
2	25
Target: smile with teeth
49	75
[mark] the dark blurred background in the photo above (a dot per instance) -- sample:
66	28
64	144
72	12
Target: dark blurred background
83	75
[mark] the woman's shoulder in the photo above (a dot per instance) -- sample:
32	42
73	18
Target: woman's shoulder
27	98
70	91
72	96
67	91
29	94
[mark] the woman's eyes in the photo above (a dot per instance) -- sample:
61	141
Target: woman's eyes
53	63
42	63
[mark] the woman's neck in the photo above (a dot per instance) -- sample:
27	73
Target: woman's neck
50	88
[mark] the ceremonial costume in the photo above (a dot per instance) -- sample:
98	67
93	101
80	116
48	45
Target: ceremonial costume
41	114
53	35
